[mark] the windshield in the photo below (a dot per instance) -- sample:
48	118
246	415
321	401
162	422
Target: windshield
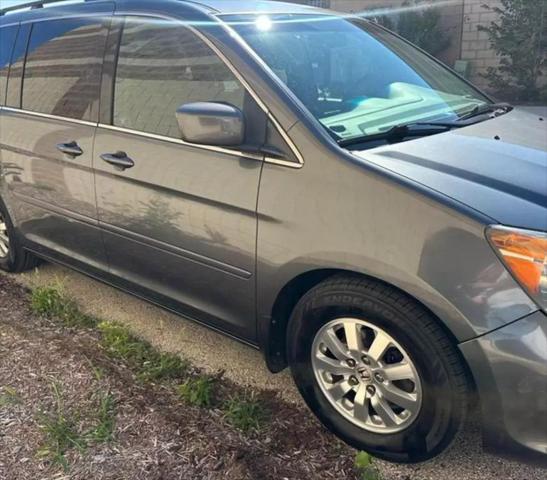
355	77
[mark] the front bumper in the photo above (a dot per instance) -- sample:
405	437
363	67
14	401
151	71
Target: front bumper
509	366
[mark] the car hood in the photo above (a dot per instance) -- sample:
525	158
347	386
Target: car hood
497	167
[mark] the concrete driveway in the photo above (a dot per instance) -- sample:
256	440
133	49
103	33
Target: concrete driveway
213	352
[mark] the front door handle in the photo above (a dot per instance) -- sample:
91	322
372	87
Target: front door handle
119	159
71	148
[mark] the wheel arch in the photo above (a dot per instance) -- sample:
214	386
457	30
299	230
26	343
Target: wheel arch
274	338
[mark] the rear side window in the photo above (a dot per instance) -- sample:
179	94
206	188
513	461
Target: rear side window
15	77
7	41
63	68
162	66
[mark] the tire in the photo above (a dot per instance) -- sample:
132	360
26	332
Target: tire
13	258
430	384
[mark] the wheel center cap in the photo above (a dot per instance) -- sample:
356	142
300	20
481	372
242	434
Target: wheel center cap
365	374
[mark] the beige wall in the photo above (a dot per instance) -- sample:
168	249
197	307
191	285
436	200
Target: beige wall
475	44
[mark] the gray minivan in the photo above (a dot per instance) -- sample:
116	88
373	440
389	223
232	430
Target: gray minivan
306	182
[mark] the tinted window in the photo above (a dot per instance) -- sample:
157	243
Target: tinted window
63	68
7	41
162	66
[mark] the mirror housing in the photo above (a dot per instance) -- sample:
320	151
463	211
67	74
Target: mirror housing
210	123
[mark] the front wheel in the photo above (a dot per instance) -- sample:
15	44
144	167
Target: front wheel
377	369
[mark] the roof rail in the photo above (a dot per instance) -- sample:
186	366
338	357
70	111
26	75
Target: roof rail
33	5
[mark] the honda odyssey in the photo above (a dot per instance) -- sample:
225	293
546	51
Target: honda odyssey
306	182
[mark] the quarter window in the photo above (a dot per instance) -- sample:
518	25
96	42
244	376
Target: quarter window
162	66
63	68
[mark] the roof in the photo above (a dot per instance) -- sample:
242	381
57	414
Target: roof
33	9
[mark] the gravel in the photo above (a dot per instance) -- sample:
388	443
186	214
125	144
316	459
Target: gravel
244	366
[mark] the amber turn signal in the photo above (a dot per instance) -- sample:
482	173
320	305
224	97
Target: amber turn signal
524	253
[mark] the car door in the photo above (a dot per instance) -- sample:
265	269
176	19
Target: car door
179	220
47	133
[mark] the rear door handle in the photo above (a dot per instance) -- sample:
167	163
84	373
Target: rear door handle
71	148
119	159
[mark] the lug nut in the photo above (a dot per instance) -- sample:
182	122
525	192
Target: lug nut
379	377
353	381
365	360
371	390
350	362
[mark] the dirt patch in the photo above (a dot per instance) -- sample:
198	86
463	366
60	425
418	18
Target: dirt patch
155	435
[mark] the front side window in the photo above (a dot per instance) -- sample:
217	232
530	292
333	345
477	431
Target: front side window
161	66
354	77
63	68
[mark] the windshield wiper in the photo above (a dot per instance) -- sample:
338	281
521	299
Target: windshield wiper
398	133
487	108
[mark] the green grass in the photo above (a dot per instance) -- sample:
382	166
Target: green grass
364	464
245	412
98	372
51	302
118	341
105	419
63	430
198	391
8	397
149	364
60	429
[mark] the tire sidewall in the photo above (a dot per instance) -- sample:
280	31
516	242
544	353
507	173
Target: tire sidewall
8	263
434	426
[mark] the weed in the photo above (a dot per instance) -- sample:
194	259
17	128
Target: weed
105	417
150	364
51	302
245	412
47	301
60	431
9	396
118	341
98	372
198	391
364	464
162	366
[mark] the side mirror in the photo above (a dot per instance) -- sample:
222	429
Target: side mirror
209	123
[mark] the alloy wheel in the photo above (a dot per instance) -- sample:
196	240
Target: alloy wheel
366	375
4	238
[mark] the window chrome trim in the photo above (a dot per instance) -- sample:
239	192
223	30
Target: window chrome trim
177	141
64	15
241	79
283	163
4	25
49	116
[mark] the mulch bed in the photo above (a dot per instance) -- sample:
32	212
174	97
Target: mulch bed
156	435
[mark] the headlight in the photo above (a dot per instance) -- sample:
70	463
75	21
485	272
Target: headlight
524	253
